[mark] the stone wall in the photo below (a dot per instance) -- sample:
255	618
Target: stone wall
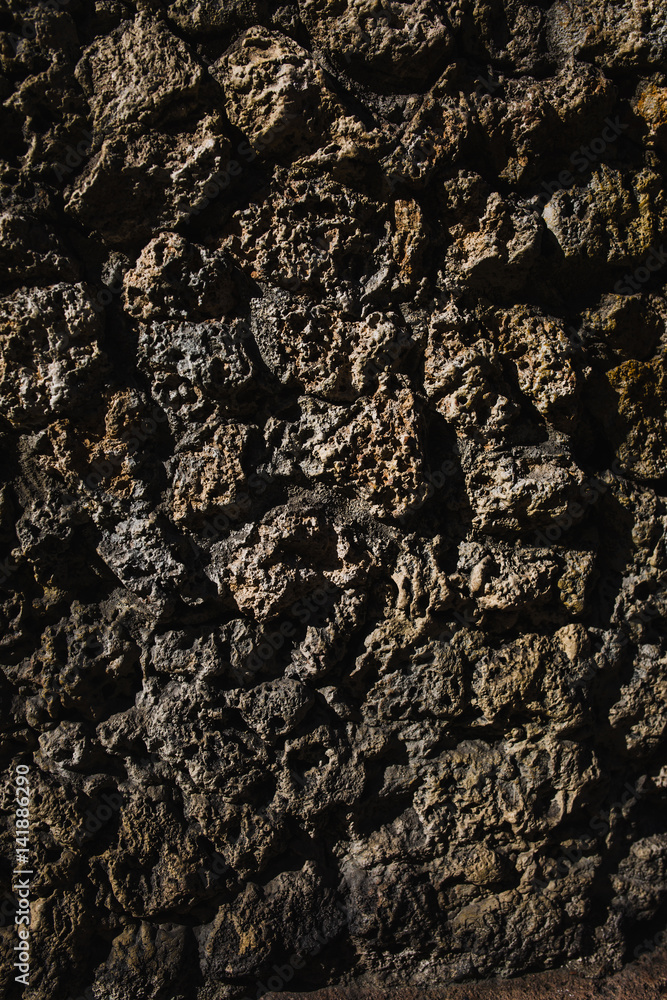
333	525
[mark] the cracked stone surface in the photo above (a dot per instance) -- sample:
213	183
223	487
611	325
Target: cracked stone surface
333	524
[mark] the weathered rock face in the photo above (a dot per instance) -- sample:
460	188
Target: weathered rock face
333	534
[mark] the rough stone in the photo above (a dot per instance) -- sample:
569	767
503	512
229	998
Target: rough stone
333	532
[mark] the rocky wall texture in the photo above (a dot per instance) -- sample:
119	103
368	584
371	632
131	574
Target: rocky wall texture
333	526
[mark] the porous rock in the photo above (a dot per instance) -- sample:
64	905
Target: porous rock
333	535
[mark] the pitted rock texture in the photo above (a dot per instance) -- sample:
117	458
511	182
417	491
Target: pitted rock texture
333	529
